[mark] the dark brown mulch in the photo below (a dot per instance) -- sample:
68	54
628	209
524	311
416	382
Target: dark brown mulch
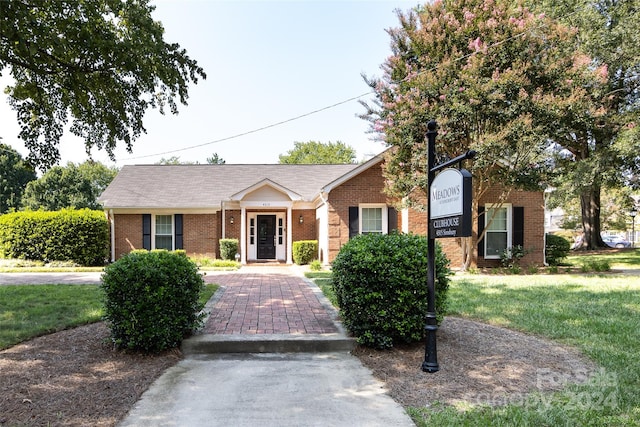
479	365
74	378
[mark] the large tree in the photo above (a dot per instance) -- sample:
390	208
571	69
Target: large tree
15	173
600	150
314	152
102	63
71	186
494	75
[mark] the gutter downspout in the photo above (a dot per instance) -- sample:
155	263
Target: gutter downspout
112	224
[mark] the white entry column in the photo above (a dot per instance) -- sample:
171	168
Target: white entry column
289	236
243	235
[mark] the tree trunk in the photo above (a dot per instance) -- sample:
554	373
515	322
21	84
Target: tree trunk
590	205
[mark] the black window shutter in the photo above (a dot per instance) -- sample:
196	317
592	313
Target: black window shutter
177	219
481	221
517	236
354	226
392	219
146	231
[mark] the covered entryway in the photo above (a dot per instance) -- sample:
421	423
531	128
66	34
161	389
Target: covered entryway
266	236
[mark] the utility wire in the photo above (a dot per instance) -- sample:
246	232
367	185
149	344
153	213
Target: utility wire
328	107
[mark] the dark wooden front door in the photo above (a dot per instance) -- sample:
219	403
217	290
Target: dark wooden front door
266	236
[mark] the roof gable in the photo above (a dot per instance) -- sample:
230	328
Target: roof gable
266	190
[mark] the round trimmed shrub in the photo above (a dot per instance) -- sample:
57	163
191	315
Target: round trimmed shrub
556	249
151	299
380	282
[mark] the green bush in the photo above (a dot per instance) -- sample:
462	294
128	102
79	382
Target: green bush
305	251
556	249
81	236
315	265
151	299
380	283
228	249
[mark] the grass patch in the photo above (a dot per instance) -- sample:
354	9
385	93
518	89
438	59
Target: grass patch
616	258
598	315
207	292
29	311
324	281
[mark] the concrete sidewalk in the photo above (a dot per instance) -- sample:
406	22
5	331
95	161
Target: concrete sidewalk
272	354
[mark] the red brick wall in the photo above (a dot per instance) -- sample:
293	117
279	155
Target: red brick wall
306	230
128	234
365	188
200	235
368	188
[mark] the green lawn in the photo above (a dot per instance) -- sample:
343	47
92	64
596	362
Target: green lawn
600	315
617	258
28	311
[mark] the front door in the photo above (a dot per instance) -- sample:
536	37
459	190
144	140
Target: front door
266	236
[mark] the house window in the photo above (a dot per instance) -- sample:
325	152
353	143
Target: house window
497	239
373	219
164	232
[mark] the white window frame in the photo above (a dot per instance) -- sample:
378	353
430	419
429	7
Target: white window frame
382	207
509	224
153	229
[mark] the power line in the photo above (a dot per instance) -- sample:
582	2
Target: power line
328	107
407	78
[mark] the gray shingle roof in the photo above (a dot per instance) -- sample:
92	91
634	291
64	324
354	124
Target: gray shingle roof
206	186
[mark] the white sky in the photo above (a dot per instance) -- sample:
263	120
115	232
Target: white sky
266	62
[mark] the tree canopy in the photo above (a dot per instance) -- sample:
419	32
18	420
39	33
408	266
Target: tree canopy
71	186
495	75
15	173
597	142
99	63
313	152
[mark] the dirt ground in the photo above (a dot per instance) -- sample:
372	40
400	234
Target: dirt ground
76	378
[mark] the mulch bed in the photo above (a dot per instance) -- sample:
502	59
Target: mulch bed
74	378
479	364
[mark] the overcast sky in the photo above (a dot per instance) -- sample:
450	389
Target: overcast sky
266	62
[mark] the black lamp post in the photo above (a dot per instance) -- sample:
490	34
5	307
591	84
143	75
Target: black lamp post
430	363
633	214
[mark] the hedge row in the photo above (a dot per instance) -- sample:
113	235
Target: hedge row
81	236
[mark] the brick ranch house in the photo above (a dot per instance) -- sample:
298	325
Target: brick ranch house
268	207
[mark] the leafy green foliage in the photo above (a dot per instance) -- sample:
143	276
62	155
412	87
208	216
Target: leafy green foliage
305	251
556	249
315	265
381	287
71	186
228	249
152	299
15	175
597	140
81	236
492	74
102	62
314	152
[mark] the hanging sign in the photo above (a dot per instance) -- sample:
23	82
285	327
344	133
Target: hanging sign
450	202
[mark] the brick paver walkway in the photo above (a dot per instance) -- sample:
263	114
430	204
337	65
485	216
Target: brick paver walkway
259	300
